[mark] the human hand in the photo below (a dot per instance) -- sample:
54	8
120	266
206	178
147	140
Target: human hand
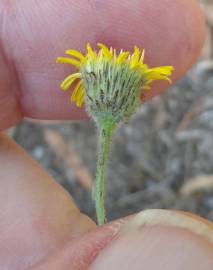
40	226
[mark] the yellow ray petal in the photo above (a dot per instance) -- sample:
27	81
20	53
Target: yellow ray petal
68	61
166	70
122	57
159	73
75	91
69	80
77	94
135	57
107	53
142	56
80	97
77	54
156	77
114	53
144	68
90	53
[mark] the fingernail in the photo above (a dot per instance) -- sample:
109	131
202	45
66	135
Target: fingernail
160	239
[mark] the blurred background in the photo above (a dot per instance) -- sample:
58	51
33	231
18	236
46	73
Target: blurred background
162	159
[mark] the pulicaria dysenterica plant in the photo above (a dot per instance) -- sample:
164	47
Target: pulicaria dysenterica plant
109	83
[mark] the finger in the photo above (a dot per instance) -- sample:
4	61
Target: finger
37	215
79	253
35	33
152	239
160	239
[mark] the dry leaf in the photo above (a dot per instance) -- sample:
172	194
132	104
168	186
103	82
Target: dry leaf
197	184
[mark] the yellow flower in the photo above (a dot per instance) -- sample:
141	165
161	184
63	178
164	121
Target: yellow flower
94	64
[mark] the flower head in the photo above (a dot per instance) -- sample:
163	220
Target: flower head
110	81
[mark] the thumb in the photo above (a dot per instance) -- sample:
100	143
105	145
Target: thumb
160	239
152	239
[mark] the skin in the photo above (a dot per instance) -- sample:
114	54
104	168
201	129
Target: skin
40	226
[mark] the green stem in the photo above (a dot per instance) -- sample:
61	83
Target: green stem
105	134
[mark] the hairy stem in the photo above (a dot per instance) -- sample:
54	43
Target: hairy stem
106	128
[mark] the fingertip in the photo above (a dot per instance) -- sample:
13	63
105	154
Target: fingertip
172	33
160	239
